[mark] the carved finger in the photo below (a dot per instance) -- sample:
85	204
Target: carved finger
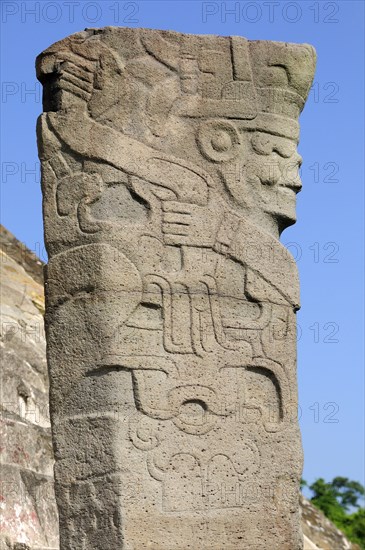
175	206
173	217
175	229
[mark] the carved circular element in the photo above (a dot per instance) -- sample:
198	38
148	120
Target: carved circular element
218	140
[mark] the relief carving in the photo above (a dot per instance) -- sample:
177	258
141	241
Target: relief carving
169	170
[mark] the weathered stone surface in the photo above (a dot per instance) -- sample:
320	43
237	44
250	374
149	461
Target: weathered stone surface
319	532
24	257
169	170
28	509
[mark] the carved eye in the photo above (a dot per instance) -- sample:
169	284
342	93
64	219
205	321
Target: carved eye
218	140
221	141
262	143
285	148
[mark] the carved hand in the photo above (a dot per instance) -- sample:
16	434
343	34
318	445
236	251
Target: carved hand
189	224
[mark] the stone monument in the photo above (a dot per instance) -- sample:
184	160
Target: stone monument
169	170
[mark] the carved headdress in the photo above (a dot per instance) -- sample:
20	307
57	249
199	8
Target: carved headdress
177	77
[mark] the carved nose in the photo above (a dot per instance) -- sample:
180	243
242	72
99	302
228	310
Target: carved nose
295	184
290	176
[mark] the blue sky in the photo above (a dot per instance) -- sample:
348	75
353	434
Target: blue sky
328	237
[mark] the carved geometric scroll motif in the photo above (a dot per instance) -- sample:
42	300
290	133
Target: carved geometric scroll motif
169	170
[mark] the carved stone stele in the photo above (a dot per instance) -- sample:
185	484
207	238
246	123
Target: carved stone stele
169	170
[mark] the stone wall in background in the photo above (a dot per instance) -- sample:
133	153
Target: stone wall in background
27	503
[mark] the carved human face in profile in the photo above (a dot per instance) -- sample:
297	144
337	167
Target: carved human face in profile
263	178
271	174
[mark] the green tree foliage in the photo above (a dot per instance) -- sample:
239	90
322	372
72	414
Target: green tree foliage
348	492
336	499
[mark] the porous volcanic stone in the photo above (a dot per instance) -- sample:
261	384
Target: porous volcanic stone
169	170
